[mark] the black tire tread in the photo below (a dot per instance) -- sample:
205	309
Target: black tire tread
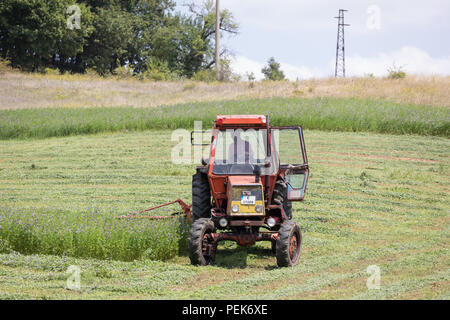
201	196
280	194
198	229
288	227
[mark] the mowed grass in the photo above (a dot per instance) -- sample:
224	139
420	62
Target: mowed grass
333	114
372	200
68	227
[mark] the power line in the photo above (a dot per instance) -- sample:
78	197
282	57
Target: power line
340	47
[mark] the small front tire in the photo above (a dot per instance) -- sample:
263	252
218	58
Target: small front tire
199	242
289	244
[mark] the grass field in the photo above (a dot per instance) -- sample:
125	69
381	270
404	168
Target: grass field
372	200
28	90
336	114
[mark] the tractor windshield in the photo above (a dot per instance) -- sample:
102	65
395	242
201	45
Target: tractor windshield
240	151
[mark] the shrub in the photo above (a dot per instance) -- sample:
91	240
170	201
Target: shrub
51	71
4	66
4	246
205	75
123	72
159	71
272	71
396	72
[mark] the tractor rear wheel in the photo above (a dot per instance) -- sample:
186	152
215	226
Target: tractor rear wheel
201	247
201	196
289	244
280	197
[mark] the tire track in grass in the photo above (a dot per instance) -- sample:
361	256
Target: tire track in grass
443	296
335	274
391	266
395	289
243	288
98	278
428	292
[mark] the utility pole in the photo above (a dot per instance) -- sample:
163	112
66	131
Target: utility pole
218	69
340	47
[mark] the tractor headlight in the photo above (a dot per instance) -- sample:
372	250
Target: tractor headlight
223	222
271	222
258	208
235	208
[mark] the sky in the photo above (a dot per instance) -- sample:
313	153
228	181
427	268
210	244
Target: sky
302	35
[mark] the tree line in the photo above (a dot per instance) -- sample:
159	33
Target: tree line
142	37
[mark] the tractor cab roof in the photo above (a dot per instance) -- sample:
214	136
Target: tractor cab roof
241	121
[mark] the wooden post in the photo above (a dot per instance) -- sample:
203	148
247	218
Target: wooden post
218	69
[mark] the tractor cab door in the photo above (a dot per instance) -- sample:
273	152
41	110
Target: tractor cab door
290	151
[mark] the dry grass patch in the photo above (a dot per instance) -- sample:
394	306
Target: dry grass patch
26	90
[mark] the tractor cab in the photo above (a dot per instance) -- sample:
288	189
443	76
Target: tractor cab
244	192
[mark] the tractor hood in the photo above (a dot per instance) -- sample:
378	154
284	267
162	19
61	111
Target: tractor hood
245	196
234	180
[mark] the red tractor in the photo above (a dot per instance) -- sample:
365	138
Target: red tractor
244	191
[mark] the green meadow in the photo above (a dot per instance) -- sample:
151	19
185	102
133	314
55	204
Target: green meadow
372	199
326	114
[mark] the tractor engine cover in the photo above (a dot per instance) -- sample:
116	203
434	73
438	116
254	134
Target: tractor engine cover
245	197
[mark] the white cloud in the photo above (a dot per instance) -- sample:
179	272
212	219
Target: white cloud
412	60
293	72
243	65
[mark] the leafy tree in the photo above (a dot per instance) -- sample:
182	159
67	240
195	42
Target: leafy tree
145	36
272	71
124	31
34	33
198	41
107	47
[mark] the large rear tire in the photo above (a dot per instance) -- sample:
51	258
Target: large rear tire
198	242
201	196
289	244
280	197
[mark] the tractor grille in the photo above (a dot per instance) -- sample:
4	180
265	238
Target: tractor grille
248	199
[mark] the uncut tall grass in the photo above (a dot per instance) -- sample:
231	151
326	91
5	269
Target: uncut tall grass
90	234
336	114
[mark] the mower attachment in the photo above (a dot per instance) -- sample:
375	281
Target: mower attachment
187	212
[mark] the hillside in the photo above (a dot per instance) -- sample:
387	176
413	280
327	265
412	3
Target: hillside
25	90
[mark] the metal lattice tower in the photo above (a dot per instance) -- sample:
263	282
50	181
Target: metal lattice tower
340	47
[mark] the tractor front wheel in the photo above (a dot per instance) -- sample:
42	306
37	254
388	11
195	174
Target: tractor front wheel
289	244
201	246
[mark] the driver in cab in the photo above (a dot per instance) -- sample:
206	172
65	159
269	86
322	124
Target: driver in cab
240	150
